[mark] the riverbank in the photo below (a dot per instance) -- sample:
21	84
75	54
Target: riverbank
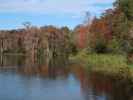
110	64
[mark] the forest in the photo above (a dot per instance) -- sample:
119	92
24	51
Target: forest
105	40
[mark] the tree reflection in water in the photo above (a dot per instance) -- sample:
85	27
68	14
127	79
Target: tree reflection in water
93	85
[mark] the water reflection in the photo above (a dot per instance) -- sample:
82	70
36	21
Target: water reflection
23	78
100	87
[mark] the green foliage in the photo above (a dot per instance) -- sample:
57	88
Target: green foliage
126	6
119	46
122	19
73	49
112	64
40	52
100	47
15	50
114	46
120	27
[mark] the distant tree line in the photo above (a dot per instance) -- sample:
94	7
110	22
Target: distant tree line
47	40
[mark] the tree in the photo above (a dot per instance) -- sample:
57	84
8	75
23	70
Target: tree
126	6
100	34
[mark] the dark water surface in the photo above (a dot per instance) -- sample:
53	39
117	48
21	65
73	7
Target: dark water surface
23	79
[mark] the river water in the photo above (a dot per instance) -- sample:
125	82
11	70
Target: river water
23	79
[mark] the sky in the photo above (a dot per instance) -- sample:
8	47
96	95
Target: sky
13	13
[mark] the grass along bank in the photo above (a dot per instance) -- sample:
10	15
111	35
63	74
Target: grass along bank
111	64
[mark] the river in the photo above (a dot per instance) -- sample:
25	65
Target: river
23	79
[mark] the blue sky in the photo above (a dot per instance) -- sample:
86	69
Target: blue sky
49	12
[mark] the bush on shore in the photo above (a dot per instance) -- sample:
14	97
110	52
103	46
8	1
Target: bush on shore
112	64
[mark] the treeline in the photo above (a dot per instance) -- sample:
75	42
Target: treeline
47	40
112	31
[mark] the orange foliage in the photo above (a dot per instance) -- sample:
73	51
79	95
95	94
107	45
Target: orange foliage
101	28
82	36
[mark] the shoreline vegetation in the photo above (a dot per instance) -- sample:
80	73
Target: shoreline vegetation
109	42
115	65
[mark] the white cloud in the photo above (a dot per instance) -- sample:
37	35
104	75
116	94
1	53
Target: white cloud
57	7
